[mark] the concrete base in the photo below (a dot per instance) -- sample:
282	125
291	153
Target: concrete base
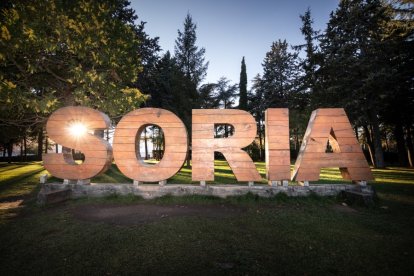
154	191
48	195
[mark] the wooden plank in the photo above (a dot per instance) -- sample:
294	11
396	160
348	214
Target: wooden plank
278	175
276	114
277	130
281	139
278	123
222	119
222	143
330	112
279	153
202	174
223	112
276	145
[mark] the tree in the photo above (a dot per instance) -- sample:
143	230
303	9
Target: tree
256	106
149	50
399	34
56	53
189	58
356	70
172	89
280	75
206	96
309	65
225	97
243	86
225	93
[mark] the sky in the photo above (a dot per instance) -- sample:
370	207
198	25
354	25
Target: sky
231	29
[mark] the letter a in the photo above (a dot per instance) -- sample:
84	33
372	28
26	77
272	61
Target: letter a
330	124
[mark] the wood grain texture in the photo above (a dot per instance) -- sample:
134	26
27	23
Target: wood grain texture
97	151
176	145
277	144
330	124
204	144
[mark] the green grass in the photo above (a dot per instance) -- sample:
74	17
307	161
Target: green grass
280	235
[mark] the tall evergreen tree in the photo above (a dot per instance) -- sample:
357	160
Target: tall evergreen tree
190	60
280	75
309	64
189	57
355	68
243	86
256	106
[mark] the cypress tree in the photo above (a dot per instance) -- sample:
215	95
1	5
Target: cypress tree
243	86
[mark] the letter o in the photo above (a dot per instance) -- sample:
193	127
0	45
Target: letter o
175	149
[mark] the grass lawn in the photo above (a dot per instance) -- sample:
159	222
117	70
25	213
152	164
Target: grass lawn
295	236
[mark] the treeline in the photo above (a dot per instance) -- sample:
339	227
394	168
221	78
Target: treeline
57	53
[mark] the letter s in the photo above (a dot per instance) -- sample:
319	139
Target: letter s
97	151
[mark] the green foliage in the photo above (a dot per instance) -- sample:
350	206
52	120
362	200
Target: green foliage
56	53
189	57
243	86
280	75
172	89
225	93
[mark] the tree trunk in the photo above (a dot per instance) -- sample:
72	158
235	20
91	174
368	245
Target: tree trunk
260	142
40	144
369	144
9	151
379	154
262	149
46	144
21	151
25	147
145	143
399	137
410	147
356	133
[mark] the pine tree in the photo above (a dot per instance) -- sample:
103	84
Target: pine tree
280	75
309	64
357	67
190	60
189	57
243	86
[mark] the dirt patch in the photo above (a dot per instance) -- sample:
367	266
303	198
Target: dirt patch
144	213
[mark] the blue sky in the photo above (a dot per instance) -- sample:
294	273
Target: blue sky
230	29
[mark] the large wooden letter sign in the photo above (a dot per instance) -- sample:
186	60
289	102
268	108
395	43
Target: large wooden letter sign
330	124
204	144
69	127
277	144
72	127
175	151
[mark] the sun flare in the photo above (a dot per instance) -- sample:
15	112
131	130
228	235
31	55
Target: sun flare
78	129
